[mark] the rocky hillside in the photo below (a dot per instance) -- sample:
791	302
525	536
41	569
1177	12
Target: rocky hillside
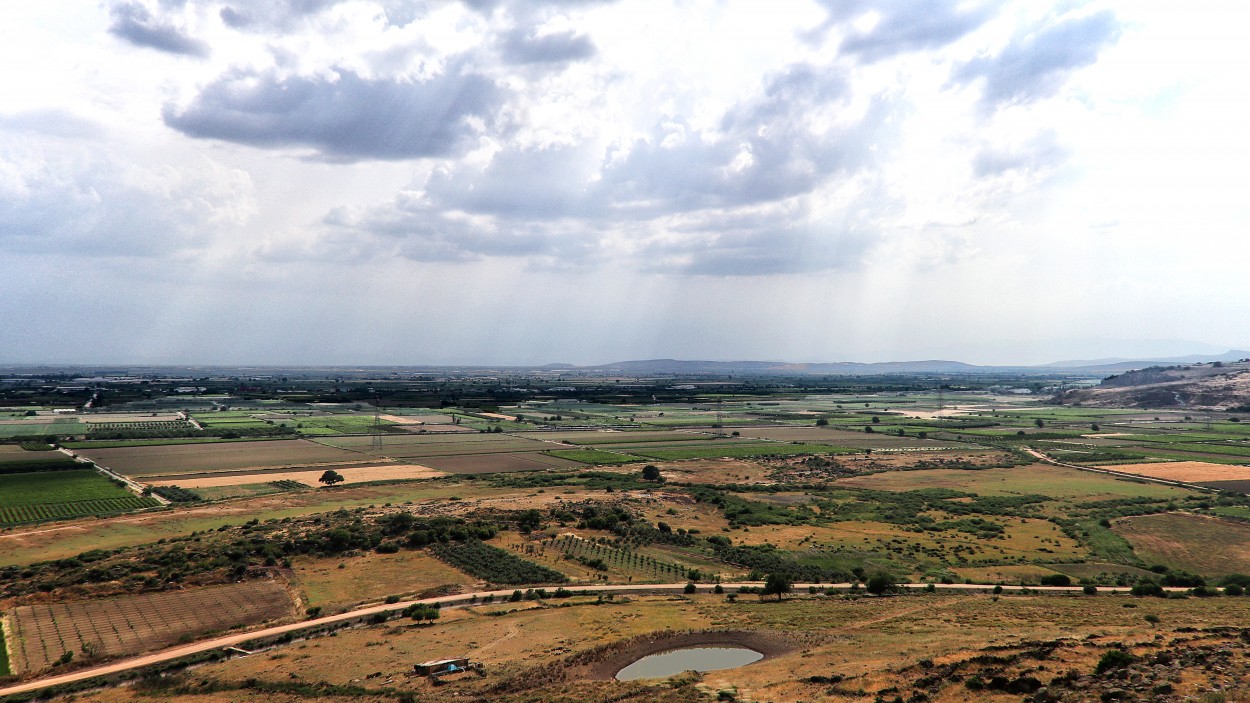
1216	386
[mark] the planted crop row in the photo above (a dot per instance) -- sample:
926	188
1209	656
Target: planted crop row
744	450
80	508
493	564
592	456
57	462
130	624
145	425
602	556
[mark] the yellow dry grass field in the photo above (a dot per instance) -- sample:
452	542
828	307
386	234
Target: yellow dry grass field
1197	543
877	644
683	514
350	474
1187	471
1009	574
402	419
714	471
1024	537
372	577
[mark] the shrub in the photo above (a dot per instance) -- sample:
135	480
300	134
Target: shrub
880	583
1090	590
1147	588
1114	659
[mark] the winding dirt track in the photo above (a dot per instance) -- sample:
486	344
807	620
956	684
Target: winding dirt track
462	599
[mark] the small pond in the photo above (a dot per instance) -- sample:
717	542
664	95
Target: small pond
688	659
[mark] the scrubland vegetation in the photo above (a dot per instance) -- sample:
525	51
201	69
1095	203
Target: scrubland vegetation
865	489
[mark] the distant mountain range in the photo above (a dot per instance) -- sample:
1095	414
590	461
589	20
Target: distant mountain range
1091	368
1095	367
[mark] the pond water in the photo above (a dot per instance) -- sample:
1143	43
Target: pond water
688	659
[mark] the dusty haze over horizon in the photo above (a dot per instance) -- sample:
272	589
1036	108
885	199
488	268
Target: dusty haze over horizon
489	182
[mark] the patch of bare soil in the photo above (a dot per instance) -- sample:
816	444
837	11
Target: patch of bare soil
616	656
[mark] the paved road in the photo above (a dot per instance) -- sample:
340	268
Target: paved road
462	599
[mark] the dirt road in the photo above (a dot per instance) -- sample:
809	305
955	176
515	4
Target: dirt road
463	599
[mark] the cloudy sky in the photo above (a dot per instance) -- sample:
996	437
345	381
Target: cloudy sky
411	181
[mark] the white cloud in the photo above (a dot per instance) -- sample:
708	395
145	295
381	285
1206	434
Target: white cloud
803	180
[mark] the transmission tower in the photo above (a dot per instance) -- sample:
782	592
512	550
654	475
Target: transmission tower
376	443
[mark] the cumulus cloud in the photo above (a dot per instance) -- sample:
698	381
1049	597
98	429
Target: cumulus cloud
59	204
345	116
1036	64
722	201
764	149
135	23
275	14
907	26
524	47
411	228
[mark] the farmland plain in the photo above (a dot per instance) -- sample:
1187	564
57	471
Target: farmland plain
826	488
172	460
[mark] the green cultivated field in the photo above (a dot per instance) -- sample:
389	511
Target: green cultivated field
33	497
4	655
23	429
592	456
740	450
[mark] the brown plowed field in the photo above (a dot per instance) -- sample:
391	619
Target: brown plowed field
350	474
133	624
497	463
218	456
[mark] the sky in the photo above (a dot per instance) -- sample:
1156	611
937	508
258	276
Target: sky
494	182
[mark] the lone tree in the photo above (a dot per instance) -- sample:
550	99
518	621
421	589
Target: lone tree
651	472
880	583
331	477
778	584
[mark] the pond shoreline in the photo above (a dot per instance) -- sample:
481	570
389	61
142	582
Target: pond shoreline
768	644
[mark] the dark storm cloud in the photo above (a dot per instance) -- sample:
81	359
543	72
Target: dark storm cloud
1036	65
134	23
914	25
523	47
348	117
